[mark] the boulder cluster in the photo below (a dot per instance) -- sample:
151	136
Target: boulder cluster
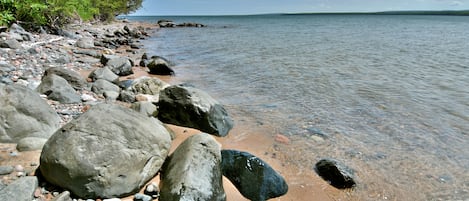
103	136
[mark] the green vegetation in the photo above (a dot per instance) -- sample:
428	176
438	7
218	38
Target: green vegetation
59	12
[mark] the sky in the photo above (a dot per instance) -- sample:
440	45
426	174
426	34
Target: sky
240	7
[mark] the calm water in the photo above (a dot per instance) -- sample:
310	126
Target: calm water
387	95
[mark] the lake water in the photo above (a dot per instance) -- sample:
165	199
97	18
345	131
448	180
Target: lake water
386	95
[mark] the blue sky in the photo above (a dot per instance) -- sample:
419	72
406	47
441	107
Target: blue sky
229	7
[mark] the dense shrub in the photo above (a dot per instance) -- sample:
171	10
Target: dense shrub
59	12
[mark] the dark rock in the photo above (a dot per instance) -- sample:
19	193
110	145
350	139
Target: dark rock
335	172
57	88
25	114
10	43
72	77
191	107
190	24
85	43
30	144
6	170
104	73
159	66
20	190
120	66
193	171
254	178
166	23
108	151
100	86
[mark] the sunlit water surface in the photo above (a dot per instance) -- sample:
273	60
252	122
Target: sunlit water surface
387	95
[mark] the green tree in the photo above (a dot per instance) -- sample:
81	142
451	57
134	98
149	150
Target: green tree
59	12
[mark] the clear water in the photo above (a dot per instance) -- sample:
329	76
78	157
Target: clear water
387	95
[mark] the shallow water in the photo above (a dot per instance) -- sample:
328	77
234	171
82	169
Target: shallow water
387	95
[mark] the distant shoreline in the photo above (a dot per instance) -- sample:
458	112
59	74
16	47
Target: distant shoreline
408	12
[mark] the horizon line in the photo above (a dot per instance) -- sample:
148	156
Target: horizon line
390	12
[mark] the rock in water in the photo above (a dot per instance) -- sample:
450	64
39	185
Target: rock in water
193	171
23	113
120	66
191	107
159	66
339	175
109	151
254	178
20	190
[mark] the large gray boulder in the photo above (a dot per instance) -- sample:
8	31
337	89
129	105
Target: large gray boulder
72	77
23	113
20	190
193	171
100	86
253	177
109	151
57	88
191	107
120	66
336	173
103	73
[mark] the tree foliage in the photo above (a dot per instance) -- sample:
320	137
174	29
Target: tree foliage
60	12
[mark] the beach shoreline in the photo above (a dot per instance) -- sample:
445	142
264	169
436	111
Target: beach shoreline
304	183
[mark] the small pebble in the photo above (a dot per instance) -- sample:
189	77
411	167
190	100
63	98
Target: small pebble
19	168
20	174
13	153
142	197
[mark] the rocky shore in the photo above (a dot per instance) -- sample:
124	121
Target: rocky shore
86	115
74	101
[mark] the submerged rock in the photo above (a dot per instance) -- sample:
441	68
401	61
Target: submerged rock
254	178
109	151
191	107
335	172
193	171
